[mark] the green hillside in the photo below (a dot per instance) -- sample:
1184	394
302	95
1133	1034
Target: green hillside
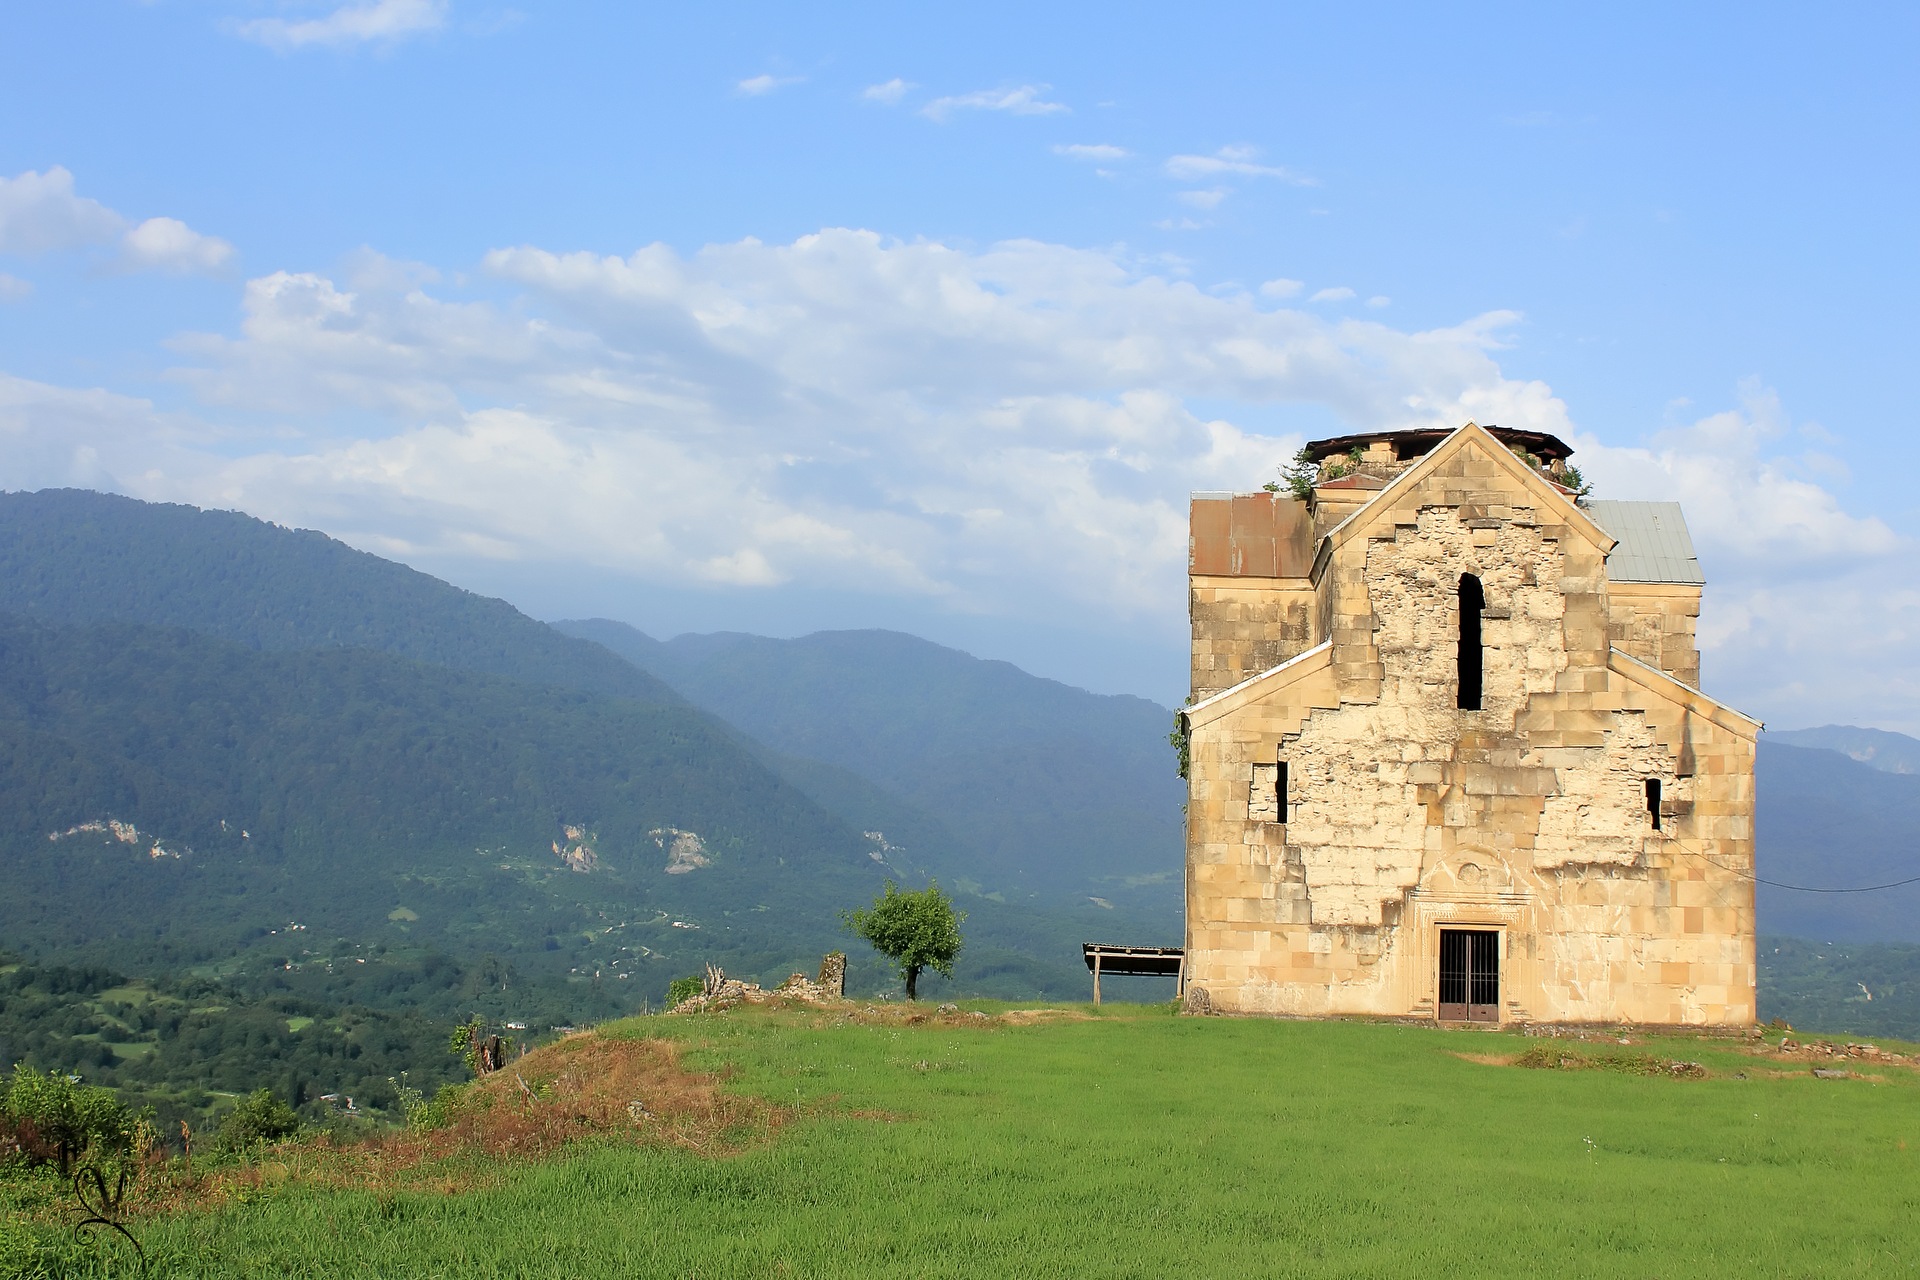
375	800
1128	1145
187	1047
70	556
1049	792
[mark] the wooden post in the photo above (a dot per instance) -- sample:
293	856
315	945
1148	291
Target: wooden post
1096	977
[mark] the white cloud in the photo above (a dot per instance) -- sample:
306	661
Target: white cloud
872	416
381	22
1097	151
1240	161
1339	293
1209	199
1811	614
168	244
39	213
13	288
1011	431
761	85
889	92
1026	100
1379	300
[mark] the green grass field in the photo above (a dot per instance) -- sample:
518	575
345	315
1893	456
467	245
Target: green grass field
1139	1144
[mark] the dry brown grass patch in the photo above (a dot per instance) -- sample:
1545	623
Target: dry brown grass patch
586	1087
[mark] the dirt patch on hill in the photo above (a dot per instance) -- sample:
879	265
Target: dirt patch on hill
589	1085
584	1088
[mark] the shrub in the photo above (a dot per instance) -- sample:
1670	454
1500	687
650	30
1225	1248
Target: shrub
54	1119
259	1119
684	989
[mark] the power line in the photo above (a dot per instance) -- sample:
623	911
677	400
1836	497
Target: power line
1797	888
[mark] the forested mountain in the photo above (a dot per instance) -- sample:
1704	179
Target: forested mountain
1048	792
368	797
1888	752
1826	821
74	556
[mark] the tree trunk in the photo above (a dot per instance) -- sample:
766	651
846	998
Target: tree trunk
913	982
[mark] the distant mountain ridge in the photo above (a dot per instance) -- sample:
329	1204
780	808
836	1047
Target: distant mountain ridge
1048	791
413	767
1876	748
73	556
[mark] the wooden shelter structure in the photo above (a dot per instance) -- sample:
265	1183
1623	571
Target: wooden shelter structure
1156	962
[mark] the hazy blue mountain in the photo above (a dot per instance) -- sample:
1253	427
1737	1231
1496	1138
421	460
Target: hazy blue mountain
74	556
1890	752
390	808
1827	821
1050	792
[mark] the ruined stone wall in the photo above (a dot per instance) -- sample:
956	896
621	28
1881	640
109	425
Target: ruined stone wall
1528	816
1656	622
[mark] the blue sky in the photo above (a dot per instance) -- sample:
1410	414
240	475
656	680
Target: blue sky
776	317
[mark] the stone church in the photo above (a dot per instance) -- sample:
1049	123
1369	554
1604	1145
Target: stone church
1447	753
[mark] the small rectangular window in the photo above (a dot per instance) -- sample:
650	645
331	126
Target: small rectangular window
1280	791
1653	802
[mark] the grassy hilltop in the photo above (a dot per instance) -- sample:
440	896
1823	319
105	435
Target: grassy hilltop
843	1142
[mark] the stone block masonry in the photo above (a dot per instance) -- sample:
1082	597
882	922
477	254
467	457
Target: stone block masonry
1544	771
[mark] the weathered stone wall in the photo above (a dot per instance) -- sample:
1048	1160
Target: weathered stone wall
1656	622
1243	626
1527	816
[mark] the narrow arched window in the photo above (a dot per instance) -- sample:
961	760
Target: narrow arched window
1471	603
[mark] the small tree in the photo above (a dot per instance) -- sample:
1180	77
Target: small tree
55	1119
915	930
259	1119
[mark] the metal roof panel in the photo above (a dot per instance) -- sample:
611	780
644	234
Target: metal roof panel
1654	545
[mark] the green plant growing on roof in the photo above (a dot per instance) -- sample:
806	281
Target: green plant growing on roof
1297	477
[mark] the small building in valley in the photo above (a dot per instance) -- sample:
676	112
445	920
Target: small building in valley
1447	753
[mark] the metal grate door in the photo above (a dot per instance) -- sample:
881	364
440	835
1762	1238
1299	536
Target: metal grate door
1469	975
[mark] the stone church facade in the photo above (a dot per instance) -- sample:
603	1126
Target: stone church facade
1447	752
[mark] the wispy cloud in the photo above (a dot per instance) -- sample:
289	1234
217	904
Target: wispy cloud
1339	293
888	93
41	213
1281	288
761	85
1026	100
1100	152
381	22
13	288
1208	199
1379	300
1241	161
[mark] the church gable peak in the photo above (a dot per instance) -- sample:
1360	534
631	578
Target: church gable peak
1504	471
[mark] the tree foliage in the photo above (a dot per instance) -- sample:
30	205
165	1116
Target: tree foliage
915	930
54	1119
259	1119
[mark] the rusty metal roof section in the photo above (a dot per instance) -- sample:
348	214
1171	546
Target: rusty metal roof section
1654	545
1250	535
1414	444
